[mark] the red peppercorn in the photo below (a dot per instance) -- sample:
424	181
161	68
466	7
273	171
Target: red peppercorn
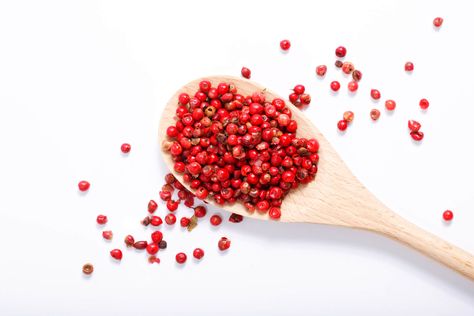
215	220
285	45
200	211
152	248
224	243
353	86
321	70
87	269
83	186
374	114
101	219
341	51
116	254
342	125
448	215
335	85
417	136
424	104
157	236
198	253
236	218
184	222
375	94
172	205
390	105
125	148
181	258
414	126
274	213
107	234
156	221
409	66
140	245
357	75
183	99
170	219
348	116
347	67
129	240
299	89
245	72
152	207
437	22
305	99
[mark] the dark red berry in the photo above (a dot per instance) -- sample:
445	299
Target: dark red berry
116	254
157	236
215	220
101	219
409	66
285	45
342	125
437	22
198	253
84	186
335	85
341	51
181	258
375	94
107	234
152	248
200	211
125	148
245	72
152	207
170	219
223	244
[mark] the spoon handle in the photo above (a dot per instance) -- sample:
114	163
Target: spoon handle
442	251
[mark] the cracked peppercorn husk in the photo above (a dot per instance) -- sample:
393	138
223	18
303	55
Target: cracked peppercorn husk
192	223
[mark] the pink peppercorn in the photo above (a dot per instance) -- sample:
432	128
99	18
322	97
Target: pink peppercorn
101	219
335	86
246	72
181	258
409	66
390	105
375	94
448	215
285	45
342	125
353	86
424	104
341	51
125	148
198	253
83	186
116	254
437	22
321	70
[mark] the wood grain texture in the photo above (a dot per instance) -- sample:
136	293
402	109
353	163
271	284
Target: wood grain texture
336	197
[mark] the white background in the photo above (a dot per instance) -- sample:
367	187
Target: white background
78	78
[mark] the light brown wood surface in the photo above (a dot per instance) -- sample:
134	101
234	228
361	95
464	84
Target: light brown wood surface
336	197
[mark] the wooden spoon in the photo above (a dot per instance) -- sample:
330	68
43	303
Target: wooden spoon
335	197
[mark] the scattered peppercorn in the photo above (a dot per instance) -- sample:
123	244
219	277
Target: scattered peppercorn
198	253
87	269
285	45
116	254
83	186
125	148
101	219
321	70
163	244
341	51
107	234
424	104
409	66
245	72
374	114
335	86
235	218
437	22
181	258
223	244
448	215
390	105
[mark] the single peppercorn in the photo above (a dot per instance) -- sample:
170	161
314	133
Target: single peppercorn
223	244
235	218
215	220
184	221
87	269
140	245
390	105
374	114
181	257
125	148
152	207
129	240
424	104
83	185
341	51
437	22
116	254
200	211
101	219
152	248
338	63
375	94
170	219
107	234
409	66
342	125
335	86
321	70
414	126
245	72
347	67
285	45
357	75
163	244
348	116
417	136
198	253
157	236
352	86
448	215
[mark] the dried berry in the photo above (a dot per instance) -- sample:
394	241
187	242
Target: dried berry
223	244
235	218
87	269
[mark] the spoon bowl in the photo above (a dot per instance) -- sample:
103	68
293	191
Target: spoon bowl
335	197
